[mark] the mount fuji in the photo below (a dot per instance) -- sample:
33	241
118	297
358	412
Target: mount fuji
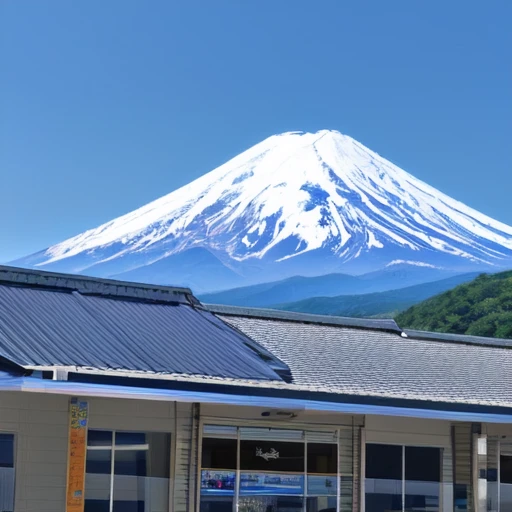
298	203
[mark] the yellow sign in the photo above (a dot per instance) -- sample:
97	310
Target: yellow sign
77	451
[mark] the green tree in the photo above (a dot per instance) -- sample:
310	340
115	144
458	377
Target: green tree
482	307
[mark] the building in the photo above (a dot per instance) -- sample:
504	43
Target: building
125	397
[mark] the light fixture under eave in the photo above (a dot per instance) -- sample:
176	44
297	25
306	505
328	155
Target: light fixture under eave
279	415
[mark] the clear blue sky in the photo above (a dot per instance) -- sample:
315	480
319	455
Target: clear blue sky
106	105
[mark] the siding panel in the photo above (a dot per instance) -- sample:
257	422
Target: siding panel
40	425
346	455
183	457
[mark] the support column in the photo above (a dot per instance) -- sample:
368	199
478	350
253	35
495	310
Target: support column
186	453
493	454
479	461
462	448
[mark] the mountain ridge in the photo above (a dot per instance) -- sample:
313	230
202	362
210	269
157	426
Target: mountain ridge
296	203
297	288
387	303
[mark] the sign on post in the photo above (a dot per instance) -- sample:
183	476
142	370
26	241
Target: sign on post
77	451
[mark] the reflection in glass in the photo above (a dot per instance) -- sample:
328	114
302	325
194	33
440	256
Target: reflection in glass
98	471
321	504
271	483
217	483
270	504
422	479
218	486
319	485
271	472
216	504
383	484
219	453
141	472
322	458
7	472
135	464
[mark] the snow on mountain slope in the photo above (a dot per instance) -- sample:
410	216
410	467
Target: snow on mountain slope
322	195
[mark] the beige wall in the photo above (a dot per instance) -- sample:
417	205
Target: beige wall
40	424
211	412
413	431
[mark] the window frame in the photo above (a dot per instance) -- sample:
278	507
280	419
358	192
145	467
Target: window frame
403	447
234	432
112	449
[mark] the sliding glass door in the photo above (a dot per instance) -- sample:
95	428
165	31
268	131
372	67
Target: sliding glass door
402	478
268	470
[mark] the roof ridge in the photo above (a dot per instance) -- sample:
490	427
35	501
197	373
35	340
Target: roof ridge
468	339
276	314
87	285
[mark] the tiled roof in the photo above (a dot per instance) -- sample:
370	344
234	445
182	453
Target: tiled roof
55	320
387	324
347	360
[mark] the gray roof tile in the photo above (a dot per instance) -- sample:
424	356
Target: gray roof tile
387	324
376	363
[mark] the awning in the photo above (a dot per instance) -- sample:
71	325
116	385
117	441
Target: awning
9	382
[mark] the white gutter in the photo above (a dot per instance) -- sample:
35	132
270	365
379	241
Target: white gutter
33	385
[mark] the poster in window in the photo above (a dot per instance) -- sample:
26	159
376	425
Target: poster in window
217	483
271	483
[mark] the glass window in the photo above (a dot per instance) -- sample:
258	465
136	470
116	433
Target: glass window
322	468
422	478
98	470
219	453
322	458
134	465
278	471
383	486
388	481
321	504
321	485
272	456
270	504
217	482
216	504
271	483
506	482
7	472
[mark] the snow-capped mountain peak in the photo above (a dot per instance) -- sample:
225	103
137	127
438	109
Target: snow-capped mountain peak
290	198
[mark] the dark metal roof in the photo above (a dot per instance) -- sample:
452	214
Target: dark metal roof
274	314
354	361
459	338
54	320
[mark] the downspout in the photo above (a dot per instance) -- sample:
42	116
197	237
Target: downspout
193	458
454	464
174	442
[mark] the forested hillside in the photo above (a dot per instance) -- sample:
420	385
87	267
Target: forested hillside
482	307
